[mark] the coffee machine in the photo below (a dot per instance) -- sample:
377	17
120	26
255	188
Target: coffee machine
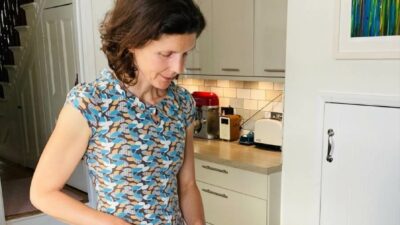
206	124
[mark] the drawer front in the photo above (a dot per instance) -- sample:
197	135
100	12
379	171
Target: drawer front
224	207
242	181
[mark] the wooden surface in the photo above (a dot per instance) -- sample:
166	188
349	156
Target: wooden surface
239	156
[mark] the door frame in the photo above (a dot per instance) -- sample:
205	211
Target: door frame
325	97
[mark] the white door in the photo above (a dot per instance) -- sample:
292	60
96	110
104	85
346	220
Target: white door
361	176
61	69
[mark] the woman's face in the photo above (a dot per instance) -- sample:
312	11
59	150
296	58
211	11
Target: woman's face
160	61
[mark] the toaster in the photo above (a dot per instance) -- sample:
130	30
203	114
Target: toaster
268	132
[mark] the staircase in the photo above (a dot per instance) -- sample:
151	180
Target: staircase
17	21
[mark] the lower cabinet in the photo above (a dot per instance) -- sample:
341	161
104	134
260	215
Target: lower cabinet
222	206
234	196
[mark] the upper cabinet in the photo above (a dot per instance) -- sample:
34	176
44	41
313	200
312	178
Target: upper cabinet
233	37
270	38
242	39
200	59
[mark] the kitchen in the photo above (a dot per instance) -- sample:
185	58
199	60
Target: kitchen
313	76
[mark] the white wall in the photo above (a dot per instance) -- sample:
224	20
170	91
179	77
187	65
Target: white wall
311	69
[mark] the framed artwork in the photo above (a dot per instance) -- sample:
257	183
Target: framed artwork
367	29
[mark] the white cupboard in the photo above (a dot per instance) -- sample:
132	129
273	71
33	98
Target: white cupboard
200	59
361	165
234	196
269	37
232	22
245	39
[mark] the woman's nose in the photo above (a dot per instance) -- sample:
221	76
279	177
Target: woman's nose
178	65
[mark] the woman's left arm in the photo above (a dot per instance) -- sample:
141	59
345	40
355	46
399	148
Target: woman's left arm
189	195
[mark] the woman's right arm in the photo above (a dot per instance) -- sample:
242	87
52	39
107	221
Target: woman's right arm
61	155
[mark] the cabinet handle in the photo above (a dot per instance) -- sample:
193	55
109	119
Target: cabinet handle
214	169
274	70
209	223
230	69
214	193
193	69
331	145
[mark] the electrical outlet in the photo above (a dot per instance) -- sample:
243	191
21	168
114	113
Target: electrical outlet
276	116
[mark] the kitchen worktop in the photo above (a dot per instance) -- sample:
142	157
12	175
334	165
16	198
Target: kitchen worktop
239	156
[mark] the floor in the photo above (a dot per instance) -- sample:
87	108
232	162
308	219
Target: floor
15	181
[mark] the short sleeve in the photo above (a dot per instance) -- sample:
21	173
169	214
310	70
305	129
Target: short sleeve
82	97
189	107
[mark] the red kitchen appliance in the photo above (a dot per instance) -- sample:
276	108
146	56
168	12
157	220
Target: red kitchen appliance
206	124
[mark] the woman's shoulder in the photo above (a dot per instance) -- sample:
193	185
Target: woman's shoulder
94	88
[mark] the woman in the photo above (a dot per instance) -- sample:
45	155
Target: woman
133	125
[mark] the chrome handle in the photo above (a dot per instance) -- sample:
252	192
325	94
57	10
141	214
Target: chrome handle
331	145
193	69
214	193
214	169
230	69
274	70
209	223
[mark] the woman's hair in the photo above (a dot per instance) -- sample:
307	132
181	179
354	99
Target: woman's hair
133	23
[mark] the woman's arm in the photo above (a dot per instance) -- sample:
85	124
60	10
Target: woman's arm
61	155
189	195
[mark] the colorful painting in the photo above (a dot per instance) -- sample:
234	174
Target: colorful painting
375	18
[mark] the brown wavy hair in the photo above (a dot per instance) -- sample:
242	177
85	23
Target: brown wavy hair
133	23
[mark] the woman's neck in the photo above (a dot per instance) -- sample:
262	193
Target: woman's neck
146	92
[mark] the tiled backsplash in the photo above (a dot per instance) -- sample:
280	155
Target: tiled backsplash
246	97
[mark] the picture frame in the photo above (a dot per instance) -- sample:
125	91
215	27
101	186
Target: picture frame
369	47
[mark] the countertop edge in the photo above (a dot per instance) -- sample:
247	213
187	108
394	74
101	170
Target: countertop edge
239	165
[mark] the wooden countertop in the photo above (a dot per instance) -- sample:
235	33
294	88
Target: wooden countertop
239	156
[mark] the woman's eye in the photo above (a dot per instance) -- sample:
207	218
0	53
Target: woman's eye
166	54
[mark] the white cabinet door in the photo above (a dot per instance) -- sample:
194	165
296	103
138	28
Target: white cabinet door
225	207
233	22
200	59
361	185
270	37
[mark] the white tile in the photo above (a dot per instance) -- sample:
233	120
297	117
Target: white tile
236	102
279	86
218	91
200	82
263	103
223	83
250	84
202	88
266	85
243	93
188	81
250	104
230	92
236	84
270	95
257	94
210	83
224	102
278	107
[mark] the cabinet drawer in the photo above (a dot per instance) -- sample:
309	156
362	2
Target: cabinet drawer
224	207
242	181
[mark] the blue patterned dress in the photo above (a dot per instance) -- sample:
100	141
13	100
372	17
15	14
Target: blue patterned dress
135	150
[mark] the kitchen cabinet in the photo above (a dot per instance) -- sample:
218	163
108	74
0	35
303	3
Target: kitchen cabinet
200	59
269	37
232	22
242	38
251	198
360	168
